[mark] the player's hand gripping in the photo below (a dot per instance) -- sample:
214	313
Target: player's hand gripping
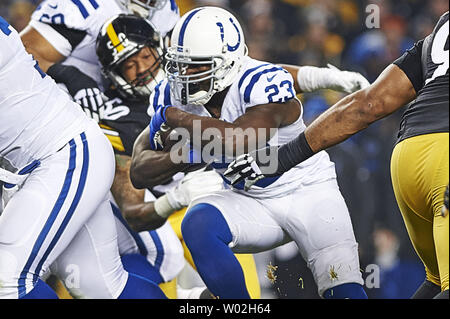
92	100
244	168
83	89
254	166
157	127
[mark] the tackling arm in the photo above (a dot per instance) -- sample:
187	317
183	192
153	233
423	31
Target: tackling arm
388	93
391	91
140	215
40	48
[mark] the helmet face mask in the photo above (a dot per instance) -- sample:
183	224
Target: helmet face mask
206	54
144	82
193	79
124	38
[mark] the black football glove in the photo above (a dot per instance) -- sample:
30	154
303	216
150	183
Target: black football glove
83	89
253	166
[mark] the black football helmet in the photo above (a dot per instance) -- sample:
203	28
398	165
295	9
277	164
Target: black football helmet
122	37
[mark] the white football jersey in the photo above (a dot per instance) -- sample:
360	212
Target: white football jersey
37	118
259	83
72	28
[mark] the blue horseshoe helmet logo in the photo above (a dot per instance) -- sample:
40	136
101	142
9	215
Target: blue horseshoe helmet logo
222	34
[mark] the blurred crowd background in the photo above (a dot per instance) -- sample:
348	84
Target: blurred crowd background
307	32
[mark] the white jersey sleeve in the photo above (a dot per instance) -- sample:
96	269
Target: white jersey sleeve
72	27
161	96
164	20
7	51
265	83
66	23
261	83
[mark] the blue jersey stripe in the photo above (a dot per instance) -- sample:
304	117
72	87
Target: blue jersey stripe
4	26
82	8
167	100
72	208
156	97
184	26
254	79
173	6
264	182
247	73
51	219
94	4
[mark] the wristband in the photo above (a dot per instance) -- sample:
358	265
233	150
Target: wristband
293	153
311	78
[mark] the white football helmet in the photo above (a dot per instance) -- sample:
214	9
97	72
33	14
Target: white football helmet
207	37
142	8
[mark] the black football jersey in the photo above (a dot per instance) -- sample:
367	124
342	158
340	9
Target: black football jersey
123	120
426	65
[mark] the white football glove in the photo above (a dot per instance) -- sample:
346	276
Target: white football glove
194	184
346	81
312	78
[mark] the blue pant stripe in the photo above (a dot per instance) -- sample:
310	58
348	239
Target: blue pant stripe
51	219
73	206
137	239
159	249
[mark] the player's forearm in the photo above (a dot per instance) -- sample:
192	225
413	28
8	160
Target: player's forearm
122	189
294	71
355	112
195	124
151	168
41	50
234	138
311	78
391	91
349	116
142	217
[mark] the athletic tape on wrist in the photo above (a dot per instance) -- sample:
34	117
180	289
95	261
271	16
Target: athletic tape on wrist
163	207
